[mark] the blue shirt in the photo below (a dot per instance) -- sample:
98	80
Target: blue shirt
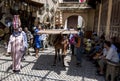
37	36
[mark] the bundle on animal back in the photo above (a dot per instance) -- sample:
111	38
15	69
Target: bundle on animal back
57	39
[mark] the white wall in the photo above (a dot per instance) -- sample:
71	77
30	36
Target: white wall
80	20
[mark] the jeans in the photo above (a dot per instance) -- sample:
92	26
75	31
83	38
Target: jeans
72	49
79	54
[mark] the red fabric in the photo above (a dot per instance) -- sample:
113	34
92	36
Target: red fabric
81	1
72	40
16	21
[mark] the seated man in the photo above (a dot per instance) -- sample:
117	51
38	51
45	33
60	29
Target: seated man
110	54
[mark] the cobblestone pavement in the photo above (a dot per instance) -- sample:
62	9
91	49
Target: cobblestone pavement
41	69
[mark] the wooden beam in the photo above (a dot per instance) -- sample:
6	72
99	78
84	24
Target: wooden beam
58	31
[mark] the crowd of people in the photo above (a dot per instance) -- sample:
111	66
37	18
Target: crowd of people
95	48
101	51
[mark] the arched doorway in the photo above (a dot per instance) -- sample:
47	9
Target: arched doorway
77	21
74	21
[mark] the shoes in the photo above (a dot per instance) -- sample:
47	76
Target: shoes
16	71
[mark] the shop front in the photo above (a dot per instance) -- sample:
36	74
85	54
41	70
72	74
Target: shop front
24	8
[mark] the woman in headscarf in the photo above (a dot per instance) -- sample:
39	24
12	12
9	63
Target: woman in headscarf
16	45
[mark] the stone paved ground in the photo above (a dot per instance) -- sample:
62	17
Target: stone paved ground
41	70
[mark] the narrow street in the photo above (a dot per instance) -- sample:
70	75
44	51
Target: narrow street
41	69
92	24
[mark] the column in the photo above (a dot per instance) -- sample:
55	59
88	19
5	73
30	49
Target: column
99	19
65	26
107	32
80	20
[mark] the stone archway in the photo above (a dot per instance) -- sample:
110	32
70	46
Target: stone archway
74	21
83	15
87	15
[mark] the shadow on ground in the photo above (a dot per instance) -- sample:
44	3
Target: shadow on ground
87	71
45	62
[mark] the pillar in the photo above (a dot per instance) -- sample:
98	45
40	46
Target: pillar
107	32
99	19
